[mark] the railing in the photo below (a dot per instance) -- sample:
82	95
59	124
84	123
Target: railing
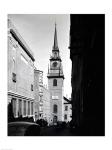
55	74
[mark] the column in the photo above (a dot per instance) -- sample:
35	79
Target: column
26	108
17	107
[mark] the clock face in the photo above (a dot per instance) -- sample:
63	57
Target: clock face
55	64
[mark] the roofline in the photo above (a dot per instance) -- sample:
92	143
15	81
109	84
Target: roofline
57	50
66	99
67	103
56	77
38	70
55	59
20	40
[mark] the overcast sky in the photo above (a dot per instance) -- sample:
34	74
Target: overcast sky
38	32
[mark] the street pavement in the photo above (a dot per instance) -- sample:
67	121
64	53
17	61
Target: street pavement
56	131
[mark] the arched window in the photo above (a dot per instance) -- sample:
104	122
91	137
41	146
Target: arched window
54	82
55	108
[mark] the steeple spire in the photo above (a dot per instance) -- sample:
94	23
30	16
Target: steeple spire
55	46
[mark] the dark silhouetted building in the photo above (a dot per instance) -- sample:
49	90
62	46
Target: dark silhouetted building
87	53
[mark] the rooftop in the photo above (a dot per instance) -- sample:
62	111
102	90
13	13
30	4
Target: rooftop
20	40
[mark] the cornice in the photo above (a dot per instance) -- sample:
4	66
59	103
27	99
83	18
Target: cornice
19	96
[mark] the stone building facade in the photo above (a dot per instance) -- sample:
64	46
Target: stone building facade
20	74
36	92
42	98
40	94
45	104
55	83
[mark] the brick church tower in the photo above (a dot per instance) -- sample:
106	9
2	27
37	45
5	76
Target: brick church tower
55	83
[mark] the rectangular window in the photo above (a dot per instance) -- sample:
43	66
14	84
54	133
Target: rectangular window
66	108
55	108
40	77
55	82
40	98
31	87
40	89
65	117
40	108
13	77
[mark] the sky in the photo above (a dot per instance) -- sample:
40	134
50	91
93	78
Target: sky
38	32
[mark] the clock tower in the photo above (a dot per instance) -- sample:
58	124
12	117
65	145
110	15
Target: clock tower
55	83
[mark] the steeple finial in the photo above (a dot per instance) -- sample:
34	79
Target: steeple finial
55	46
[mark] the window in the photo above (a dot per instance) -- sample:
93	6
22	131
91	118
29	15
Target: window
66	108
55	54
54	82
40	89
55	118
13	77
55	109
54	64
40	77
40	108
40	98
31	87
40	80
65	117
